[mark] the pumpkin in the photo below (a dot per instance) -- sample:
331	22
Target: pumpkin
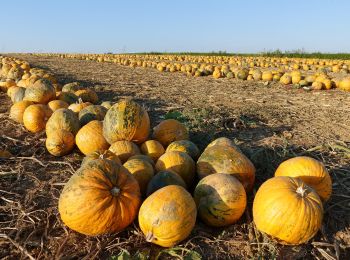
68	97
185	146
17	94
92	112
153	149
168	216
286	79
107	104
170	130
78	106
35	117
162	179
104	154
71	87
41	92
101	197
226	159
267	76
225	142
124	150
142	157
5	85
309	170
126	120
179	162
142	171
57	104
90	138
17	110
345	84
60	143
221	199
63	119
87	95
317	85
287	209
242	74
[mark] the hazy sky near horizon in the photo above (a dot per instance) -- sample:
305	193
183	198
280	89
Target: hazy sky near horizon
201	26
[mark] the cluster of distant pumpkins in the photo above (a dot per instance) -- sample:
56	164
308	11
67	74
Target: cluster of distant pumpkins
129	172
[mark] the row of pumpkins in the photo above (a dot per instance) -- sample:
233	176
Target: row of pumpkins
126	175
288	74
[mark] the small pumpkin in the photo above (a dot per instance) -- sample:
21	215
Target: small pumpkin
142	171
153	149
124	150
87	95
162	179
68	97
60	143
57	104
101	197
63	119
92	112
41	92
71	87
90	138
126	120
309	170
287	209
78	106
168	216
17	110
170	130
179	162
142	157
35	117
185	146
104	154
226	159
221	199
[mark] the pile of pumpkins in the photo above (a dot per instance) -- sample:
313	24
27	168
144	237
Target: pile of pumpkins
131	172
283	70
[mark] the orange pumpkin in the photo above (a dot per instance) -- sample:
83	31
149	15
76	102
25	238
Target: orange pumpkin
90	138
60	143
57	104
142	157
41	92
126	120
178	162
226	159
153	149
309	170
221	199
78	106
35	117
87	95
104	154
124	150
170	130
17	110
287	209
185	146
63	119
101	197
162	179
168	216
225	142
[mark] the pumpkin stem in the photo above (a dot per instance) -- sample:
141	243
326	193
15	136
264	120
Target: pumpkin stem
115	191
301	191
80	101
149	237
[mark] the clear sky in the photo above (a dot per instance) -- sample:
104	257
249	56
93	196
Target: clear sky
86	26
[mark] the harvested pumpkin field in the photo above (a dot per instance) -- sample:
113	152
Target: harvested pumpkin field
270	123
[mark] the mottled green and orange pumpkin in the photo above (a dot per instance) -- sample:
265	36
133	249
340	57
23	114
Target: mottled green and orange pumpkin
162	179
63	119
35	117
102	154
153	149
90	113
168	216
225	142
68	97
40	92
72	87
101	197
87	95
185	146
124	150
60	142
170	130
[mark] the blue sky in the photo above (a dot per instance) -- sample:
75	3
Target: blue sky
143	26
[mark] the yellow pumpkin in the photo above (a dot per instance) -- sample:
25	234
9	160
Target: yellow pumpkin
35	117
309	170
124	150
63	119
60	143
288	210
90	138
185	146
153	149
178	162
17	110
102	154
142	157
57	104
170	130
221	199
78	106
168	216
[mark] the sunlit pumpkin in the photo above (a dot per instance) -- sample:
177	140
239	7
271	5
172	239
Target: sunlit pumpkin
63	119
72	87
57	104
41	92
90	113
102	154
78	106
170	130
17	110
124	150
87	95
60	142
153	149
185	146
35	117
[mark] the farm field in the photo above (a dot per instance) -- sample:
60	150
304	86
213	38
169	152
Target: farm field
269	122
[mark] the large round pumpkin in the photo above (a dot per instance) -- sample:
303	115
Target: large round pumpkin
57	104
126	120
185	146
142	171
170	130
168	216
178	162
35	117
287	209
124	150
92	112
221	199
101	197
17	110
60	143
311	171
104	154
226	159
90	138
162	179
153	149
41	92
63	119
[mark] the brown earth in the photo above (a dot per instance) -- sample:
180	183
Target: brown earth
270	123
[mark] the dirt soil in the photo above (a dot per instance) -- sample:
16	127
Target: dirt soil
270	123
